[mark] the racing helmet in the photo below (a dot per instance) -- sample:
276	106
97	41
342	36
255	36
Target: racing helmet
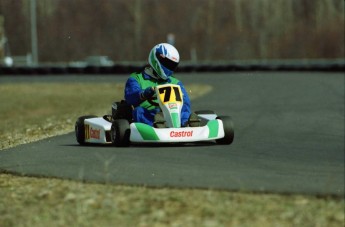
164	59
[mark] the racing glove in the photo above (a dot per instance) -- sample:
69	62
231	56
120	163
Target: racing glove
147	93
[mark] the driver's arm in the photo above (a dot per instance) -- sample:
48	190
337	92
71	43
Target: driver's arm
132	92
134	95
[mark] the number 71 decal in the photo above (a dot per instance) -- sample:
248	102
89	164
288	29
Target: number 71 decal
169	93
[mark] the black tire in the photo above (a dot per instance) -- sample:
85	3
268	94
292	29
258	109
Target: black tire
120	132
79	128
228	130
204	112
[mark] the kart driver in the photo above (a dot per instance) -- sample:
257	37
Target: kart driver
140	87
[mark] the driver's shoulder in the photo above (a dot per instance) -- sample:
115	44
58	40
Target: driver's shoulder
136	75
174	80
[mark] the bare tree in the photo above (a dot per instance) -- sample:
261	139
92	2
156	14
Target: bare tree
213	30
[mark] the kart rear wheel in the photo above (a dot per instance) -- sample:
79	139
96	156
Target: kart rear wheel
120	133
79	128
228	130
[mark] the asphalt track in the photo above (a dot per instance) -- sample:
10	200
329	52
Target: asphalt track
289	138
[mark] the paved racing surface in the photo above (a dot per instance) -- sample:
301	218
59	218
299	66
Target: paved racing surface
289	138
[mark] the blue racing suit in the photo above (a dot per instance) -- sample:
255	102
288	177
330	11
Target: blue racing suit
144	111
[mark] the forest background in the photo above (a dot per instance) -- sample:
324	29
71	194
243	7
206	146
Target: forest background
203	30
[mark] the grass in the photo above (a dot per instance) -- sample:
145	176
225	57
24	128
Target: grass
52	202
35	111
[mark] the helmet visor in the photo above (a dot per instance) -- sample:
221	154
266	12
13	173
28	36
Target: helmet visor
166	62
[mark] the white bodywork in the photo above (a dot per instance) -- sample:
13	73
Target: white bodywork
170	100
96	130
173	135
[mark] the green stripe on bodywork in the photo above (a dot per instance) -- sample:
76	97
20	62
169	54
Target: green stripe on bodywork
146	131
175	120
213	126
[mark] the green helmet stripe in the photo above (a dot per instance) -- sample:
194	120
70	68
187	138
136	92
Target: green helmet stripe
155	63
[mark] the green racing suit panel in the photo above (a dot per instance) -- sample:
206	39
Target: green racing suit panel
145	82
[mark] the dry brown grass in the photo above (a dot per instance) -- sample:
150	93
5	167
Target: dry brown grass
52	202
34	111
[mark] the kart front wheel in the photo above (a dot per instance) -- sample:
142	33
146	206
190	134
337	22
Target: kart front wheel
120	133
228	130
79	128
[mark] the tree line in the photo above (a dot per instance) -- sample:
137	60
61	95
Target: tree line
203	30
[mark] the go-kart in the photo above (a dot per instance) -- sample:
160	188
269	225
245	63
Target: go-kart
119	129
